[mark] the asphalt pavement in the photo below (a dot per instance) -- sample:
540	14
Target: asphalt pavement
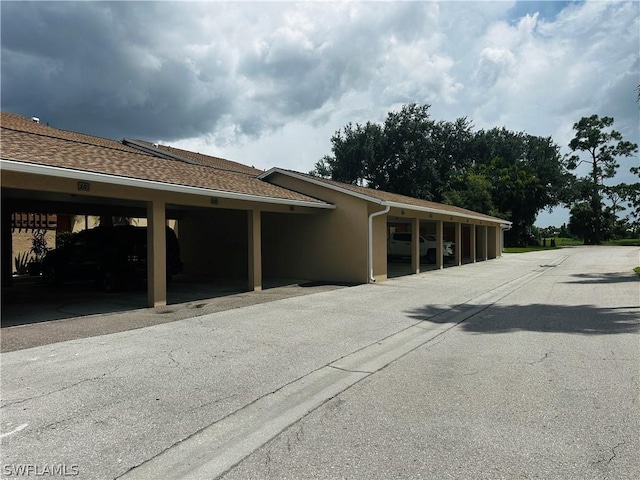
36	314
521	367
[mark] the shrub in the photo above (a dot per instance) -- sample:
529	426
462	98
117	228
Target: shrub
22	262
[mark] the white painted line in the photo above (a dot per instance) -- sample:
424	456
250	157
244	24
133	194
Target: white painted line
214	450
15	430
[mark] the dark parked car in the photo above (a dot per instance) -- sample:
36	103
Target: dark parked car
113	256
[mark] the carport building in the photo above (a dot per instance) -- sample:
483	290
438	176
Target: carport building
350	244
233	221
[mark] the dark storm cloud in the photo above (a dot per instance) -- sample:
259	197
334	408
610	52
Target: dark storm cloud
92	67
178	70
235	74
294	81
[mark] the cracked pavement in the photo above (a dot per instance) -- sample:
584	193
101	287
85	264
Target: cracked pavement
502	369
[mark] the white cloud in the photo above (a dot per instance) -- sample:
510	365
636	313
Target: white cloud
269	83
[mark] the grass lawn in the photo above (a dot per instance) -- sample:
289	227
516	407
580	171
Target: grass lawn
566	242
526	249
625	242
637	270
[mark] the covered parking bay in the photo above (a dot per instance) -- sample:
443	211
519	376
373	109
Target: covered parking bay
450	241
216	209
220	237
340	243
235	224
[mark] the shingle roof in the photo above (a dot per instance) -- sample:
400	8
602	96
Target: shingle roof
23	140
383	196
199	158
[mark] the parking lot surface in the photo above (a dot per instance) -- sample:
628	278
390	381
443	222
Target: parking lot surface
38	315
522	367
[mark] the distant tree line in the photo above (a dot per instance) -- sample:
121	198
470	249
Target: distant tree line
506	174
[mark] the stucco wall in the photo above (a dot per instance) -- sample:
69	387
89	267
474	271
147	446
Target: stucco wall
380	234
493	237
21	243
328	245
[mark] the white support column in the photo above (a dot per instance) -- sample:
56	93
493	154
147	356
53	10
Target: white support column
254	228
156	254
472	241
439	244
498	231
415	245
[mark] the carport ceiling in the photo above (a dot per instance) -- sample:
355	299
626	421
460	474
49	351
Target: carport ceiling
33	201
404	220
407	220
398	220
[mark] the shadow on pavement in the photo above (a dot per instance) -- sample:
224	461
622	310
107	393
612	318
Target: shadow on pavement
595	278
580	319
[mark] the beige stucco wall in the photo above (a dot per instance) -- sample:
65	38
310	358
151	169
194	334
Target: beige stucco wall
380	235
21	243
492	238
330	245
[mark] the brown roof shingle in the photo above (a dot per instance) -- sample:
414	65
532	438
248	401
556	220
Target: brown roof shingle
402	199
25	141
207	160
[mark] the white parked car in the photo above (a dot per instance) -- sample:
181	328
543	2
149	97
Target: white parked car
399	245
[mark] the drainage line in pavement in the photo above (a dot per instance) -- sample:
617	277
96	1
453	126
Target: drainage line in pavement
216	449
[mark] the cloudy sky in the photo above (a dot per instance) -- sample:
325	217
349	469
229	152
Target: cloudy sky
267	83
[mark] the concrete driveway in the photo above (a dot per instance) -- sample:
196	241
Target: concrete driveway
526	366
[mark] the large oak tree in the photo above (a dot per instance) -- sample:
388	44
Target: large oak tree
497	172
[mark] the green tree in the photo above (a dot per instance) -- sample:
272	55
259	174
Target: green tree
474	191
581	222
631	194
411	157
354	149
497	172
408	154
616	194
602	145
525	174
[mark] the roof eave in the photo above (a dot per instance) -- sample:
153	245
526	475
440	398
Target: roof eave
438	211
34	168
320	183
368	198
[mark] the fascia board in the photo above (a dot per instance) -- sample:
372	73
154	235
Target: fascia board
33	168
407	206
320	183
